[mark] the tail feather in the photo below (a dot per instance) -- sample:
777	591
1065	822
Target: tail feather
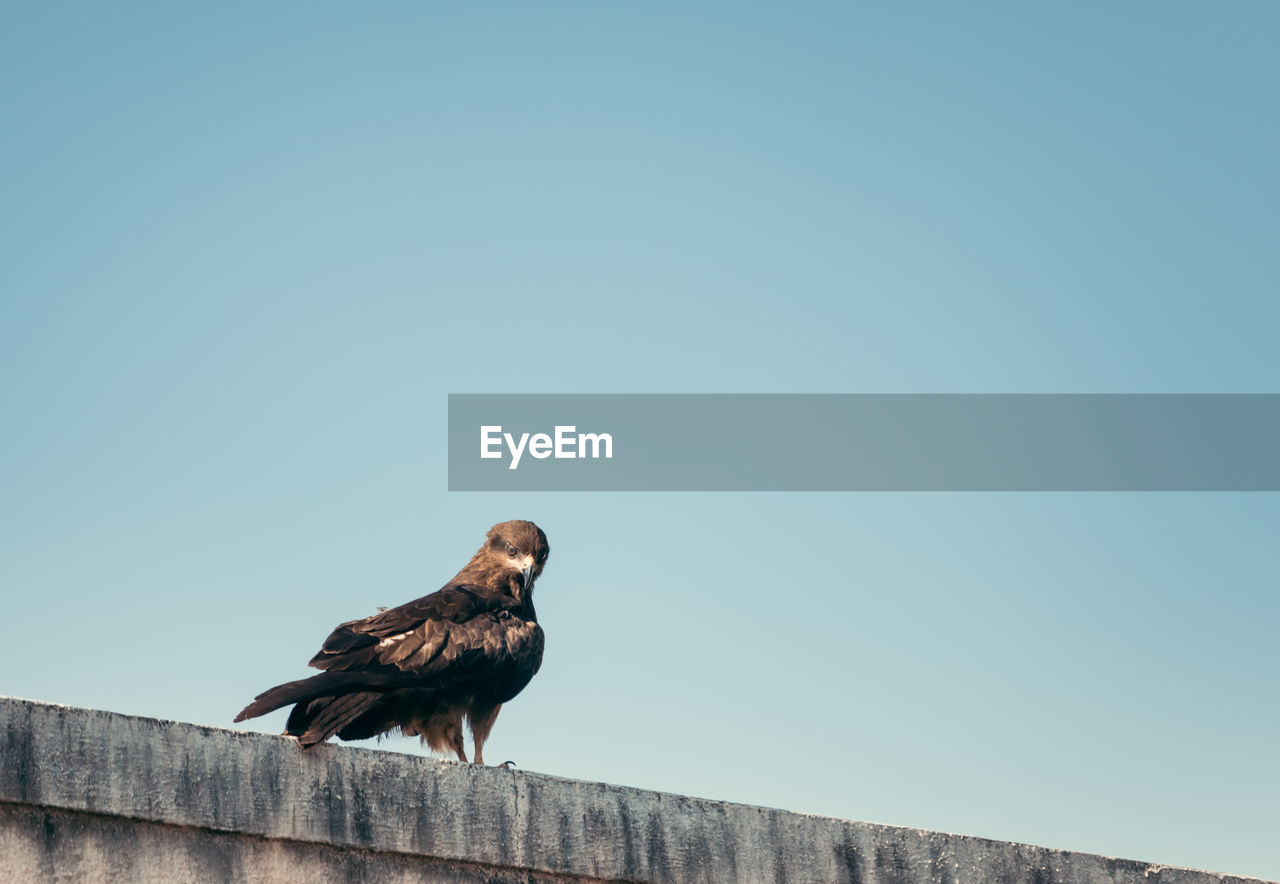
323	718
326	684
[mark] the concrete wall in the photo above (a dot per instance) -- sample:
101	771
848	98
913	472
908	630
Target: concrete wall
88	795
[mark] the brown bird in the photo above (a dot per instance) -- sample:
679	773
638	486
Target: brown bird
429	665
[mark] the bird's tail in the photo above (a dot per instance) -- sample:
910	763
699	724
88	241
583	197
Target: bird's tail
318	720
326	684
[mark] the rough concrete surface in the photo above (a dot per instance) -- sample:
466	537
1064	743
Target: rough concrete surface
90	795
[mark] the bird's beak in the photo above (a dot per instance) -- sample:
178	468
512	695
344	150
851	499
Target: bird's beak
527	571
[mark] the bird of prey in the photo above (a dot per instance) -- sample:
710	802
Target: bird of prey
429	665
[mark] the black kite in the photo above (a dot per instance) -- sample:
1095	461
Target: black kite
425	667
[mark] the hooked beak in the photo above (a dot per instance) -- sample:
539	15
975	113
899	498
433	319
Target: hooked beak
527	572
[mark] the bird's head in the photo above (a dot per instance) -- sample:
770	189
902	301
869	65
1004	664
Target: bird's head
517	550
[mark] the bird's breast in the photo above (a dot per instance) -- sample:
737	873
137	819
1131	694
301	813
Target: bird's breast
521	637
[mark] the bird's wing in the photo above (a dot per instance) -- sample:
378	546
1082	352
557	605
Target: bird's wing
425	636
460	635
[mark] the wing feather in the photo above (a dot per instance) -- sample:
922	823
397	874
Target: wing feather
409	636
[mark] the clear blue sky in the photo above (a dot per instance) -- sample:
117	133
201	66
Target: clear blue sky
247	251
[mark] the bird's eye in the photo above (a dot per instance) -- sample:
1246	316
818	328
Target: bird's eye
511	550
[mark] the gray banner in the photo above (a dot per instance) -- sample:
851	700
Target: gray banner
662	442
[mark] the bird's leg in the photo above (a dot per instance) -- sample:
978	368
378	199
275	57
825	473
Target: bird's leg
481	724
459	746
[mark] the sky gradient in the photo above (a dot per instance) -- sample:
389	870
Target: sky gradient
247	252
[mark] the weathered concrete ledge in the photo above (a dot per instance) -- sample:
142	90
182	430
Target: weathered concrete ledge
96	795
